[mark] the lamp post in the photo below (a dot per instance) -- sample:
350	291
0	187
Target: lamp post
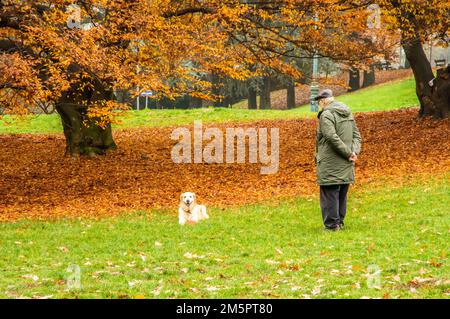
135	49
448	55
138	99
314	87
431	50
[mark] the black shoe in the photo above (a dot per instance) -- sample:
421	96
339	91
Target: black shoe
337	228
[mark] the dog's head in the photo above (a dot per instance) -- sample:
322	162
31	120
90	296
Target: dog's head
187	198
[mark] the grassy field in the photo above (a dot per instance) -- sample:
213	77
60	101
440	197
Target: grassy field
381	97
252	251
273	250
386	96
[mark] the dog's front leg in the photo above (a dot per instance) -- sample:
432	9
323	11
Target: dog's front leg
181	217
194	218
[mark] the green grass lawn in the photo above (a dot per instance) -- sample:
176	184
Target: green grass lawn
381	97
253	251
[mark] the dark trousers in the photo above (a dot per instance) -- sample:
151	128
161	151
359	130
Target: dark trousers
333	203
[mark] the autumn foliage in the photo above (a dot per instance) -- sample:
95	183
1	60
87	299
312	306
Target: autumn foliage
48	52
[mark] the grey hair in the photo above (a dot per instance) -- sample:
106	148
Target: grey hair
327	100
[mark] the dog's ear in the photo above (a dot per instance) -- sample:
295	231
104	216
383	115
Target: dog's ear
195	197
182	203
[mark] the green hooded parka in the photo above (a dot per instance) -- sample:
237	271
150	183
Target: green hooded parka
337	138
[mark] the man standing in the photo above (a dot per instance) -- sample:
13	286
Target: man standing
338	145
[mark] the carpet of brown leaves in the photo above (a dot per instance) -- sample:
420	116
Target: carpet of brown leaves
38	182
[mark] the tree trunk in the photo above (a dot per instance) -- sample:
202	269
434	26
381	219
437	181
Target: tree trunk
83	135
440	94
216	81
252	98
434	99
354	79
369	76
195	102
291	95
407	64
265	102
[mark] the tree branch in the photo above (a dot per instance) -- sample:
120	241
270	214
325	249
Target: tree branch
185	11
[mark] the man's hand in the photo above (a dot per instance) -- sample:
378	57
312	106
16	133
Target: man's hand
353	158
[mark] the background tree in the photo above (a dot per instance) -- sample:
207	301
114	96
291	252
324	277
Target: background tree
417	22
354	79
291	94
252	94
369	76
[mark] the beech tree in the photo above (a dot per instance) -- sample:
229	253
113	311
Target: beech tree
354	79
73	55
418	22
369	76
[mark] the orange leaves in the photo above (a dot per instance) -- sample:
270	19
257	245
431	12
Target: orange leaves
426	19
105	112
170	47
201	95
371	248
290	267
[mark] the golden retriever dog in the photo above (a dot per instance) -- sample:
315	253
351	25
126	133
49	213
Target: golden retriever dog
189	211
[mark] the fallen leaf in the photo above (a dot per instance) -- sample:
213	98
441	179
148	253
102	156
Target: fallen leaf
64	249
32	277
316	291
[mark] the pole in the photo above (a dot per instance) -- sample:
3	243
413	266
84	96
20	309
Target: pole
314	84
431	51
139	95
448	55
138	98
314	87
146	101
